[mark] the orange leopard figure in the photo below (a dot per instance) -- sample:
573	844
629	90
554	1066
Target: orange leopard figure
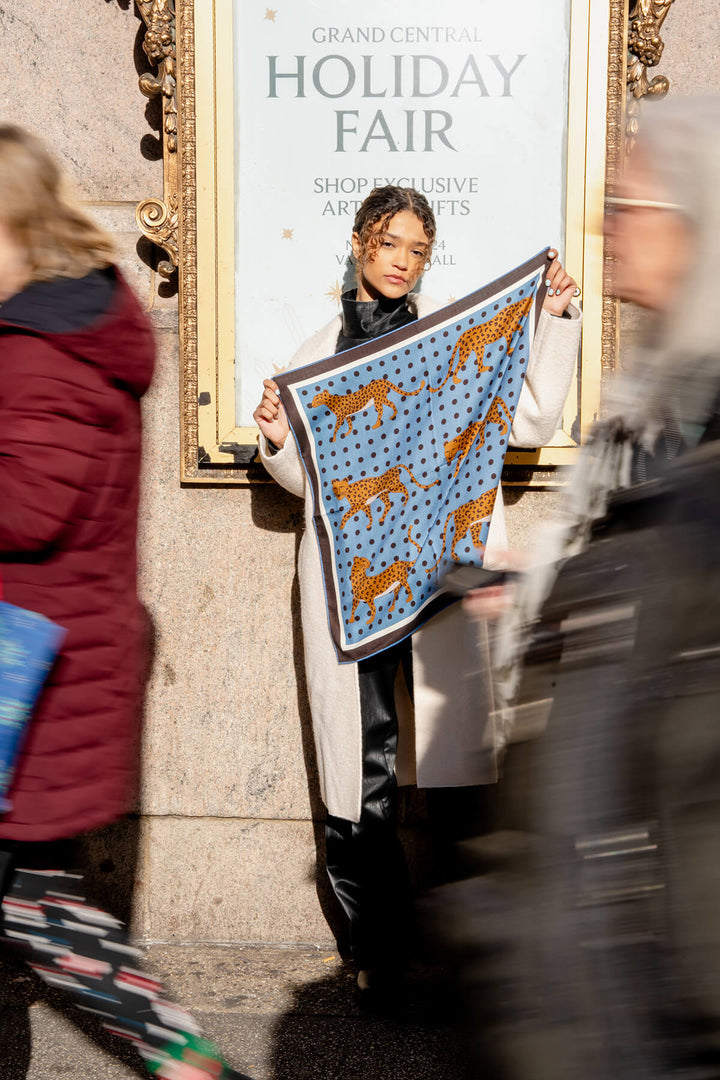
344	406
498	413
361	493
367	588
477	338
467	518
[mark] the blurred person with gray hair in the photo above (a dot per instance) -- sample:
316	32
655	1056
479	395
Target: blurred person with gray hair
662	228
663	231
588	940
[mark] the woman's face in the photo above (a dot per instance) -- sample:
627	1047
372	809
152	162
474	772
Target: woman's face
650	245
398	262
14	269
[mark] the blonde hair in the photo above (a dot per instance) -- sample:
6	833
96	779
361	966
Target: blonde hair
676	369
57	238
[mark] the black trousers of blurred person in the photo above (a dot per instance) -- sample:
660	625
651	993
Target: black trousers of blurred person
365	860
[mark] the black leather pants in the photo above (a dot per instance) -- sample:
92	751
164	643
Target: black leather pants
365	860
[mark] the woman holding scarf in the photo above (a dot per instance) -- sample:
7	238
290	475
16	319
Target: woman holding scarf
369	717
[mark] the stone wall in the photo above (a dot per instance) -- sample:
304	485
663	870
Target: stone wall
225	847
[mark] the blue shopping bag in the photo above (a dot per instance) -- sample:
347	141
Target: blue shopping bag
29	644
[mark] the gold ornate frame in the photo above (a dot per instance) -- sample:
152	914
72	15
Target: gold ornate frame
613	43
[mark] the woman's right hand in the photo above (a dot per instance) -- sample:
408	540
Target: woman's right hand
270	416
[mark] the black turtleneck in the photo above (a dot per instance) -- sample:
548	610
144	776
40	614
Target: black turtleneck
363	320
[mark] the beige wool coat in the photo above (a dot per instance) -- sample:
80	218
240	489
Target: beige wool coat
440	742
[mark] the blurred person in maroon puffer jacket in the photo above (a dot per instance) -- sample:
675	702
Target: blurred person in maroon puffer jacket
76	356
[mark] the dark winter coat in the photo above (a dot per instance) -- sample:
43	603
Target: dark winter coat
75	358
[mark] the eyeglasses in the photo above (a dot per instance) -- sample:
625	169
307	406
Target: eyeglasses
616	205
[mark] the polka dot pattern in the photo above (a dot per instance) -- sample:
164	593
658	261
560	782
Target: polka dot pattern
406	454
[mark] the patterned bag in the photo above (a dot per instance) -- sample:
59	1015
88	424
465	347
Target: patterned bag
29	644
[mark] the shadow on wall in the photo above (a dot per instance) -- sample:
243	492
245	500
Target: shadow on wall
274	510
150	146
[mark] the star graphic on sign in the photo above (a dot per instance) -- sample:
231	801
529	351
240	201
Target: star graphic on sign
270	14
278	370
288	234
451	299
335	292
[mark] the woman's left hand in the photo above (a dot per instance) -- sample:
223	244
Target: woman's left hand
561	288
488	603
492	601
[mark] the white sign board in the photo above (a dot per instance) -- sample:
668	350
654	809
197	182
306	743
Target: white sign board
465	101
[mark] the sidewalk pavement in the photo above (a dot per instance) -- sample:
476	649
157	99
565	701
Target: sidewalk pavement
278	1013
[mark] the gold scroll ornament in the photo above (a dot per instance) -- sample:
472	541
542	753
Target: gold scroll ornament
157	219
645	48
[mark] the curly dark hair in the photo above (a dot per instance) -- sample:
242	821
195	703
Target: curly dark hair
380	206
